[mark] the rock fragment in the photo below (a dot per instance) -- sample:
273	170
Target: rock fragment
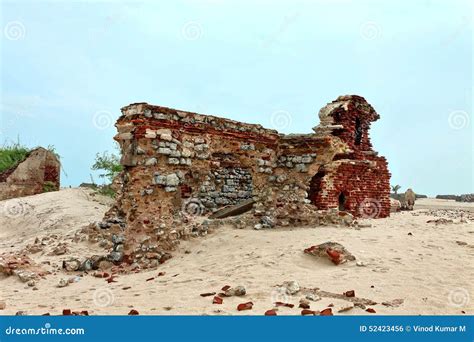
63	282
291	287
334	251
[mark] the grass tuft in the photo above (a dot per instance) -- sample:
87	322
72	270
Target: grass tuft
12	155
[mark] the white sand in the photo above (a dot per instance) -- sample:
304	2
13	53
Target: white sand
429	270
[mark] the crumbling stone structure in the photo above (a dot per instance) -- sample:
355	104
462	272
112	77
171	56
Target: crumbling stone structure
38	173
179	164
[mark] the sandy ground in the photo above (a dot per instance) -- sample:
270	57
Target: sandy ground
431	270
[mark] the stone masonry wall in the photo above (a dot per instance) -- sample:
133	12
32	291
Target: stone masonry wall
181	165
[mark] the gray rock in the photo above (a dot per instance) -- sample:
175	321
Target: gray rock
164	150
160	180
313	297
291	287
172	179
301	168
104	225
116	239
267	222
151	162
115	256
86	265
26	276
175	154
71	264
63	282
236	291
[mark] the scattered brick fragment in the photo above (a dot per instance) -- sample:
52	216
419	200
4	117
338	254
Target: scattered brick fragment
288	305
350	293
245	306
207	294
111	279
370	310
306	312
326	312
217	300
133	312
271	312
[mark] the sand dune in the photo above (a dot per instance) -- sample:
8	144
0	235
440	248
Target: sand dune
430	271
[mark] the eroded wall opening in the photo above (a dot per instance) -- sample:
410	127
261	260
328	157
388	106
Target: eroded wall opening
342	202
315	187
358	131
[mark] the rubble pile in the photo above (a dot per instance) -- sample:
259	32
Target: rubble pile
447	215
460	198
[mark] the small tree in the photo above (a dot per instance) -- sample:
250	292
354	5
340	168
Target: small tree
395	188
109	163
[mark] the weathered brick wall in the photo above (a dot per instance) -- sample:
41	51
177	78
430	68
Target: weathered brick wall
38	173
179	164
359	174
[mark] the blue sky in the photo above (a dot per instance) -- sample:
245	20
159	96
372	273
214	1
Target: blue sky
68	67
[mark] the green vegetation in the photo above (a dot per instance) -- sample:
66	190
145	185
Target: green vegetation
395	188
49	186
109	163
11	155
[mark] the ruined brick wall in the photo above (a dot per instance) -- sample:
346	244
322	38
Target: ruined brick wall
358	180
179	164
39	172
